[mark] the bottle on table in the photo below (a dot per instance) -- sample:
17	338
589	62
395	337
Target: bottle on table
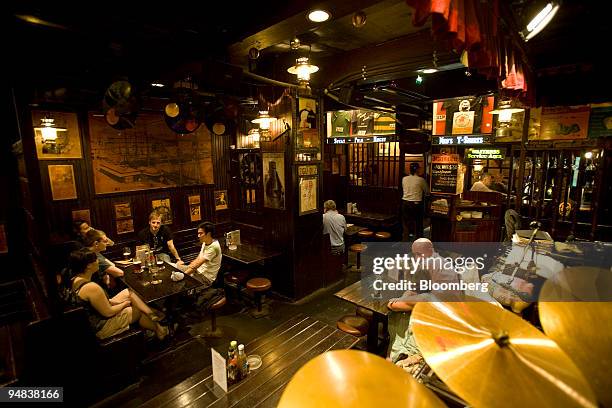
243	365
232	362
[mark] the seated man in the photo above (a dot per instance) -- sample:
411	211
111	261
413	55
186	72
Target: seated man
334	224
207	263
402	346
96	241
81	227
159	238
485	183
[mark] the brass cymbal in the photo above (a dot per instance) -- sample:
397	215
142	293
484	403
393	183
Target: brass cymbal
352	378
581	329
578	283
492	358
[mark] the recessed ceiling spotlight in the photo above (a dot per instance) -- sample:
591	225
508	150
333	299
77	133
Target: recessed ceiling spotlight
157	84
429	70
318	16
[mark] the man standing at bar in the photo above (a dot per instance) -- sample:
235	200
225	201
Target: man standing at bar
334	224
159	238
414	189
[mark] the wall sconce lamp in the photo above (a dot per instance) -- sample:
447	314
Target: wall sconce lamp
48	130
264	120
302	69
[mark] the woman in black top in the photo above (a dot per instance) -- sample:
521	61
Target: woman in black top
107	317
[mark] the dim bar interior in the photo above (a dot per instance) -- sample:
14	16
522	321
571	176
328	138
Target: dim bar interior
307	204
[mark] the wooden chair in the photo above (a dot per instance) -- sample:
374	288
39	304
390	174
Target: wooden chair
258	286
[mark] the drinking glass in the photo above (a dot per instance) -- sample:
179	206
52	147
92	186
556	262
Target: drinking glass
126	253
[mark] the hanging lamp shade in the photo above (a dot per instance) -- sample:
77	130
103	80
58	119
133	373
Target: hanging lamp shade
303	69
505	109
264	120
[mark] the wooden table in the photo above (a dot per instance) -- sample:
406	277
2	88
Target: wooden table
372	219
249	254
283	351
140	282
360	296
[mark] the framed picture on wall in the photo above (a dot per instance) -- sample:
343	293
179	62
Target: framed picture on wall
220	200
194	207
61	178
308	195
123	210
274	180
67	142
81	215
162	206
125	226
3	240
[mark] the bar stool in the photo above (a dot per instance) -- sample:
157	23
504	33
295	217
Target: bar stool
258	286
382	236
365	235
215	332
358	249
354	325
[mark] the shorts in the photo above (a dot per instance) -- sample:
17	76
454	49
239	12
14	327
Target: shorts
116	324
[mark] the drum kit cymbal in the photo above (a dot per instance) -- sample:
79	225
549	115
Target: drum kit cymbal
487	355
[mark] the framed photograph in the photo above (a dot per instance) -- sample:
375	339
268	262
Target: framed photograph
308	195
125	226
123	210
61	178
220	200
162	206
193	199
195	212
67	144
307	113
274	180
81	215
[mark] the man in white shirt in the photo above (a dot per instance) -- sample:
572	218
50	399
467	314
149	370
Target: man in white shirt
484	184
414	190
334	224
208	261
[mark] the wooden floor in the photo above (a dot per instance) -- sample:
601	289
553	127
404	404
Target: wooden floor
283	351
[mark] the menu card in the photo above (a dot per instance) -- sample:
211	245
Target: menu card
446	174
219	369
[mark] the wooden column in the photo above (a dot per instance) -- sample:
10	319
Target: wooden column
519	194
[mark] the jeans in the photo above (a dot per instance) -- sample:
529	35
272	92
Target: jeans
412	213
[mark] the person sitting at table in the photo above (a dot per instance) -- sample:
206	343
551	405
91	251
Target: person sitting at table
484	184
402	347
96	241
206	265
159	238
107	317
334	224
80	228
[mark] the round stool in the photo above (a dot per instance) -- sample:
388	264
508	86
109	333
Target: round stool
365	313
214	331
258	286
358	248
382	235
365	234
354	325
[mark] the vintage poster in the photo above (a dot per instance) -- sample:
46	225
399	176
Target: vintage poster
148	156
446	176
194	207
274	180
565	123
600	121
125	226
122	210
67	145
220	200
162	206
307	113
61	177
308	195
81	215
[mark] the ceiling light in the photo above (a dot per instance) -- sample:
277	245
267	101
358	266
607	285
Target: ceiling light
263	120
48	130
588	155
318	16
505	111
157	85
540	21
303	69
429	70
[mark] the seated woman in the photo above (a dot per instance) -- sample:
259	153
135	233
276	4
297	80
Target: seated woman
108	317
